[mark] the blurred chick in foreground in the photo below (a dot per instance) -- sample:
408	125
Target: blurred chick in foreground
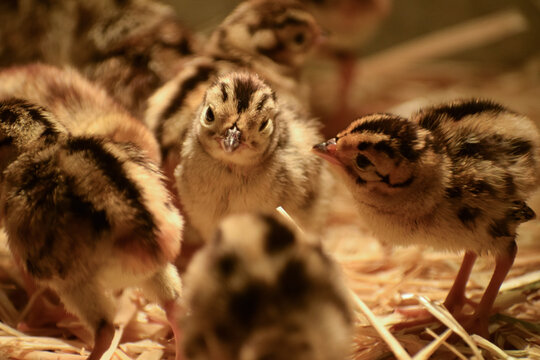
247	151
129	47
269	37
260	290
455	176
86	211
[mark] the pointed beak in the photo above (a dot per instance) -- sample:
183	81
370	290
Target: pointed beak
231	141
327	150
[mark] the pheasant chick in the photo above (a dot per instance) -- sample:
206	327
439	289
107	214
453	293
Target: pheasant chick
271	38
84	216
246	151
454	176
259	290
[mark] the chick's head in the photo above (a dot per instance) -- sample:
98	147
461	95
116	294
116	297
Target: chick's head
379	153
283	31
237	120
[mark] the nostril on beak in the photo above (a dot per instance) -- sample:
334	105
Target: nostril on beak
232	139
326	147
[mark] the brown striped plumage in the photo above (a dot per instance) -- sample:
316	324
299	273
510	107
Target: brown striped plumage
247	151
129	47
80	204
260	290
82	107
454	176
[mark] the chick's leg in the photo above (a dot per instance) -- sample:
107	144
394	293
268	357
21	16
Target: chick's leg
455	300
166	287
87	301
479	322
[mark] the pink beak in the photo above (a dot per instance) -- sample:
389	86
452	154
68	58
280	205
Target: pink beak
327	150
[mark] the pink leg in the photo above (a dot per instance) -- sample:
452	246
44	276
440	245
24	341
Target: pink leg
165	285
173	311
456	297
454	300
103	339
479	322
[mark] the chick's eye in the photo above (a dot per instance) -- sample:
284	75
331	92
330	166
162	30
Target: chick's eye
299	38
362	161
264	125
209	115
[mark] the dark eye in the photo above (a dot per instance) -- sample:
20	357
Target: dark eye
209	115
299	38
362	161
263	125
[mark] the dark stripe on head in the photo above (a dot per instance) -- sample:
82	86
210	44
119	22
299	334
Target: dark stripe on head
263	100
468	216
244	88
399	129
385	147
111	167
459	110
364	145
386	125
278	237
224	95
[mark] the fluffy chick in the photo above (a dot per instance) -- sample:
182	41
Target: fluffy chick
259	290
82	107
139	46
269	37
85	215
246	151
129	47
454	176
